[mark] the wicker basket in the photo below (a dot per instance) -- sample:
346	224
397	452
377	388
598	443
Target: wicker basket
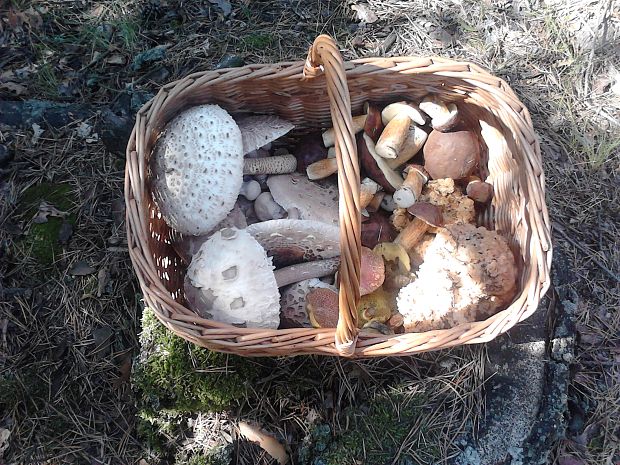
296	91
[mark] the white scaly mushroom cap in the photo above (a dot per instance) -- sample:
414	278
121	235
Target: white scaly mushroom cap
236	277
197	167
257	131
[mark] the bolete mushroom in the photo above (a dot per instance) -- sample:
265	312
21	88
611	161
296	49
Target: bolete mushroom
402	108
393	136
374	124
372	271
293	312
376	167
322	308
308	150
468	274
329	136
451	154
376	228
411	146
443	117
197	166
293	241
314	201
411	188
235	280
374	307
478	190
426	214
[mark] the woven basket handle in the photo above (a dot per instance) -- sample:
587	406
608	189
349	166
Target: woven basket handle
324	57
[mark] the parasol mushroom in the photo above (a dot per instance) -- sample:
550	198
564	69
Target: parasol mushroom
234	279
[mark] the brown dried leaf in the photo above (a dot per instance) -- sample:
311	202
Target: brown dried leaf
265	440
45	210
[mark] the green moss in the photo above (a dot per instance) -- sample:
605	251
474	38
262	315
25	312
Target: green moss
177	376
41	242
258	41
375	433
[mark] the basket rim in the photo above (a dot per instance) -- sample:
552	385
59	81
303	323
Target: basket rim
368	344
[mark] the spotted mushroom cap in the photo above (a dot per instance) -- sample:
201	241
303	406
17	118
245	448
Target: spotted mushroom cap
315	201
257	131
236	277
295	241
197	167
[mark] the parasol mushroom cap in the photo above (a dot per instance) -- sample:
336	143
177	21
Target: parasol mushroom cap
295	241
258	131
314	201
293	303
196	169
427	212
451	154
236	281
187	245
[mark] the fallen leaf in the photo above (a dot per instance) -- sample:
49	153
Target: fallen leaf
5	434
265	440
81	268
45	210
65	233
124	371
13	87
116	60
364	13
102	280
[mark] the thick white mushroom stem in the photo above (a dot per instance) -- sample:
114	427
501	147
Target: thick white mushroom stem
322	169
281	164
329	136
399	108
368	189
316	269
411	189
412	145
393	136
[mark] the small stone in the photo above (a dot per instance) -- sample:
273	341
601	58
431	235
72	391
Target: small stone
230	61
81	268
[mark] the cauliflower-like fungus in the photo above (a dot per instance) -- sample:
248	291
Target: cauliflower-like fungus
468	273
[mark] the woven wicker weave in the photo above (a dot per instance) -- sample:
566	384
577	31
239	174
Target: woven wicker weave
296	91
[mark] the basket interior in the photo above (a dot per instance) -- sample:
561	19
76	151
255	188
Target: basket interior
305	103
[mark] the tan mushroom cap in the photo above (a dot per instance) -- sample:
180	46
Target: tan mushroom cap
451	154
322	308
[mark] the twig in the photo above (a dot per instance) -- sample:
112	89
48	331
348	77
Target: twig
557	227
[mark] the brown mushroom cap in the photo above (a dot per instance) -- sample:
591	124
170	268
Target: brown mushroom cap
374	125
375	167
372	271
310	149
451	154
376	229
322	308
427	212
479	191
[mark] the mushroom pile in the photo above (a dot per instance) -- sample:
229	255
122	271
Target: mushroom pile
257	224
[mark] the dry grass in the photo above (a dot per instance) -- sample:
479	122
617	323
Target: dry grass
71	399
